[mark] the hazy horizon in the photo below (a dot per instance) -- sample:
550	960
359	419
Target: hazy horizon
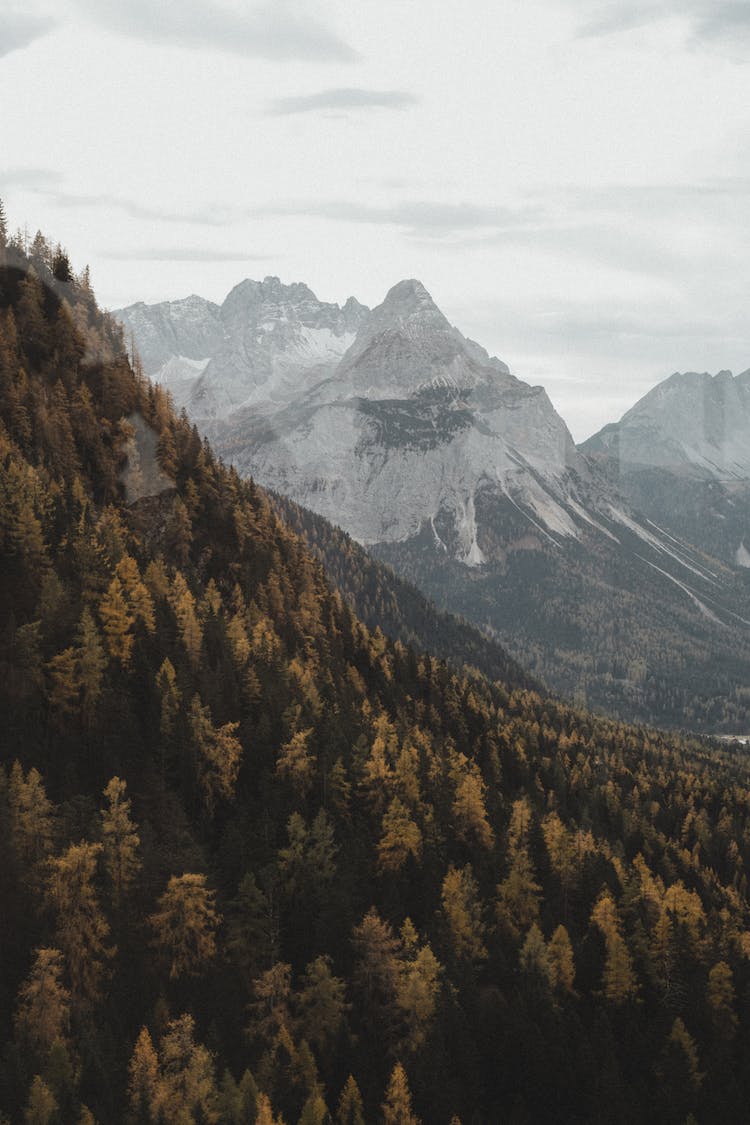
568	178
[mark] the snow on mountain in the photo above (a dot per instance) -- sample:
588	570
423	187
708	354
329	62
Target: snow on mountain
189	328
265	343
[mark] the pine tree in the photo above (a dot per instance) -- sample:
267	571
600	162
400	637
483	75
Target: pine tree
315	1110
217	753
41	1108
397	1108
120	841
139	600
252	928
462	911
418	986
518	896
32	827
377	970
619	979
82	930
144	1087
469	811
188	1081
183	607
351	1110
322	1004
171	697
185	924
270	1010
63	687
92	664
179	531
296	764
43	1013
561	961
117	623
534	957
3	232
401	837
720	1000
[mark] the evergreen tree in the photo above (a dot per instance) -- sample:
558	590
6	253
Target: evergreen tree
82	930
120	841
185	924
43	1013
350	1110
397	1108
41	1107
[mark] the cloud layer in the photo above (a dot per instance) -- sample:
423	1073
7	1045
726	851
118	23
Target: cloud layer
343	99
279	30
709	20
19	28
182	254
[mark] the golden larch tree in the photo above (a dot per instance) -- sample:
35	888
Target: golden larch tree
117	623
82	930
185	924
351	1110
120	841
397	1109
43	1013
462	911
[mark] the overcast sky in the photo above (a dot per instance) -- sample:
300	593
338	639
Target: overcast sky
569	178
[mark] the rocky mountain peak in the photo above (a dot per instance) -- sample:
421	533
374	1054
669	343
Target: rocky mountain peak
695	424
406	303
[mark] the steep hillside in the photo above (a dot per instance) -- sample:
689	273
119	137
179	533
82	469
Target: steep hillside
261	862
384	601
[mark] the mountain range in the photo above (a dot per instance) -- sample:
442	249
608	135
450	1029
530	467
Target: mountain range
428	451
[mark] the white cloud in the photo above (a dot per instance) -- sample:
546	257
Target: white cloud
279	29
20	27
339	100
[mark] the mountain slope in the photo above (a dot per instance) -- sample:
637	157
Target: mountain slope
682	456
259	860
465	479
384	601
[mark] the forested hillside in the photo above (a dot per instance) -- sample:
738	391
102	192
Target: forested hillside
261	863
383	600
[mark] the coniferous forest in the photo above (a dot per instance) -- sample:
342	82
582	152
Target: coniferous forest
262	863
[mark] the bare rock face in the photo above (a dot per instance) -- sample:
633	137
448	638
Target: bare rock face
682	456
266	342
405	430
694	425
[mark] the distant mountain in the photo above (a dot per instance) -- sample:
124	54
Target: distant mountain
682	455
466	480
266	341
